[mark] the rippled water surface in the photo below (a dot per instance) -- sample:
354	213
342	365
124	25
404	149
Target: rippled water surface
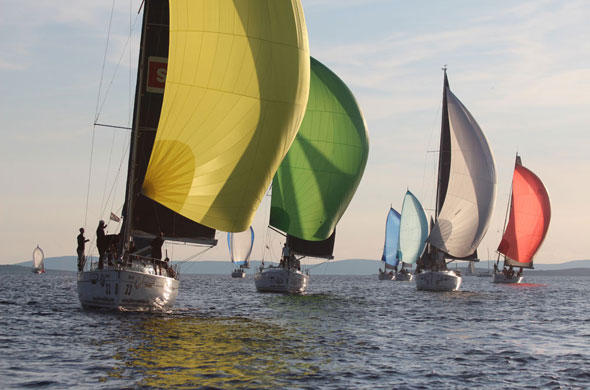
347	332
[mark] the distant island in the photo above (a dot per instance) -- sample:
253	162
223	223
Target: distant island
339	267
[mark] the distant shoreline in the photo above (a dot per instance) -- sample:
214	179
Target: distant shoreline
341	267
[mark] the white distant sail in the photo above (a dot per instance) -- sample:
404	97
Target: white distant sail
464	217
413	229
38	257
240	247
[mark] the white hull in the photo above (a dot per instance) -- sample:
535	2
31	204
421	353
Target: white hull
238	274
499	277
438	281
126	290
404	277
386	276
281	280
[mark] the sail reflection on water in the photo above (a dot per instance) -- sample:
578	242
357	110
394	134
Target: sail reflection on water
216	352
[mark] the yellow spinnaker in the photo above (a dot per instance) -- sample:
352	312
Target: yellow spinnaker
235	95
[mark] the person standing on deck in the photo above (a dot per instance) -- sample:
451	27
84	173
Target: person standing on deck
156	245
285	256
101	243
80	249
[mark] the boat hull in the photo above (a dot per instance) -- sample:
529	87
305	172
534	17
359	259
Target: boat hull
438	281
238	274
404	277
386	276
126	290
281	280
499	277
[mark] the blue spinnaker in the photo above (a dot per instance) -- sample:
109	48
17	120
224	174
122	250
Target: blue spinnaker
391	239
240	247
413	229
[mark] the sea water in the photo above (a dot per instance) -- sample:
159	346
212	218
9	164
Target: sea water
346	332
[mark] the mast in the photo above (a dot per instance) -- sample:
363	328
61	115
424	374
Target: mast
131	177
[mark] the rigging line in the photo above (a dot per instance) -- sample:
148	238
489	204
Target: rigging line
114	187
195	255
317	265
99	109
117	177
89	175
111	126
130	108
103	203
104	60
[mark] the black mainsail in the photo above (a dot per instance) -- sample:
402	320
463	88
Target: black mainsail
148	218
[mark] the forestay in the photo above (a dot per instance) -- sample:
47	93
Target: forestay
413	229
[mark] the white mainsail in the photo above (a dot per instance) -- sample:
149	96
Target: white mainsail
465	215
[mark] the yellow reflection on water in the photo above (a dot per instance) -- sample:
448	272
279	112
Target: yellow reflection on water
217	352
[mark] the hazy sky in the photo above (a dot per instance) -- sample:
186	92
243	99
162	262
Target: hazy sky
521	68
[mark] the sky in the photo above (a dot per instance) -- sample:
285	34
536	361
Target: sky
522	68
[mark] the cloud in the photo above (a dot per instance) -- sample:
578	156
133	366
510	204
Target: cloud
522	52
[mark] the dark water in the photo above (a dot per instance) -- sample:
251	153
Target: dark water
347	332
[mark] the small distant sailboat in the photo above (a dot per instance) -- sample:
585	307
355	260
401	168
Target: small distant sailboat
466	192
390	248
405	239
38	264
412	235
316	181
470	271
240	248
221	91
530	214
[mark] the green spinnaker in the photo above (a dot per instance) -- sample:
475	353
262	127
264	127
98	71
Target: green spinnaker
319	175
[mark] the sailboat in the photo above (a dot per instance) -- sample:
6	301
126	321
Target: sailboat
221	91
530	214
240	248
412	235
38	264
316	181
390	256
466	193
470	271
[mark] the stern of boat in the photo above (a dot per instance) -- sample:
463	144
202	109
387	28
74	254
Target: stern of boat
499	277
281	280
126	290
438	281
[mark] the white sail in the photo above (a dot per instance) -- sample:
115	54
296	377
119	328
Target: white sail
413	229
240	246
38	257
464	217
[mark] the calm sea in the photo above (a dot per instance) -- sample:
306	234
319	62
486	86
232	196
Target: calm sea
347	332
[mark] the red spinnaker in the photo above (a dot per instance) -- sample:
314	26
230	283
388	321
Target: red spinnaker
530	213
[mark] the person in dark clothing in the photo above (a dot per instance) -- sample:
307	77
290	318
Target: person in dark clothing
101	243
156	245
80	249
